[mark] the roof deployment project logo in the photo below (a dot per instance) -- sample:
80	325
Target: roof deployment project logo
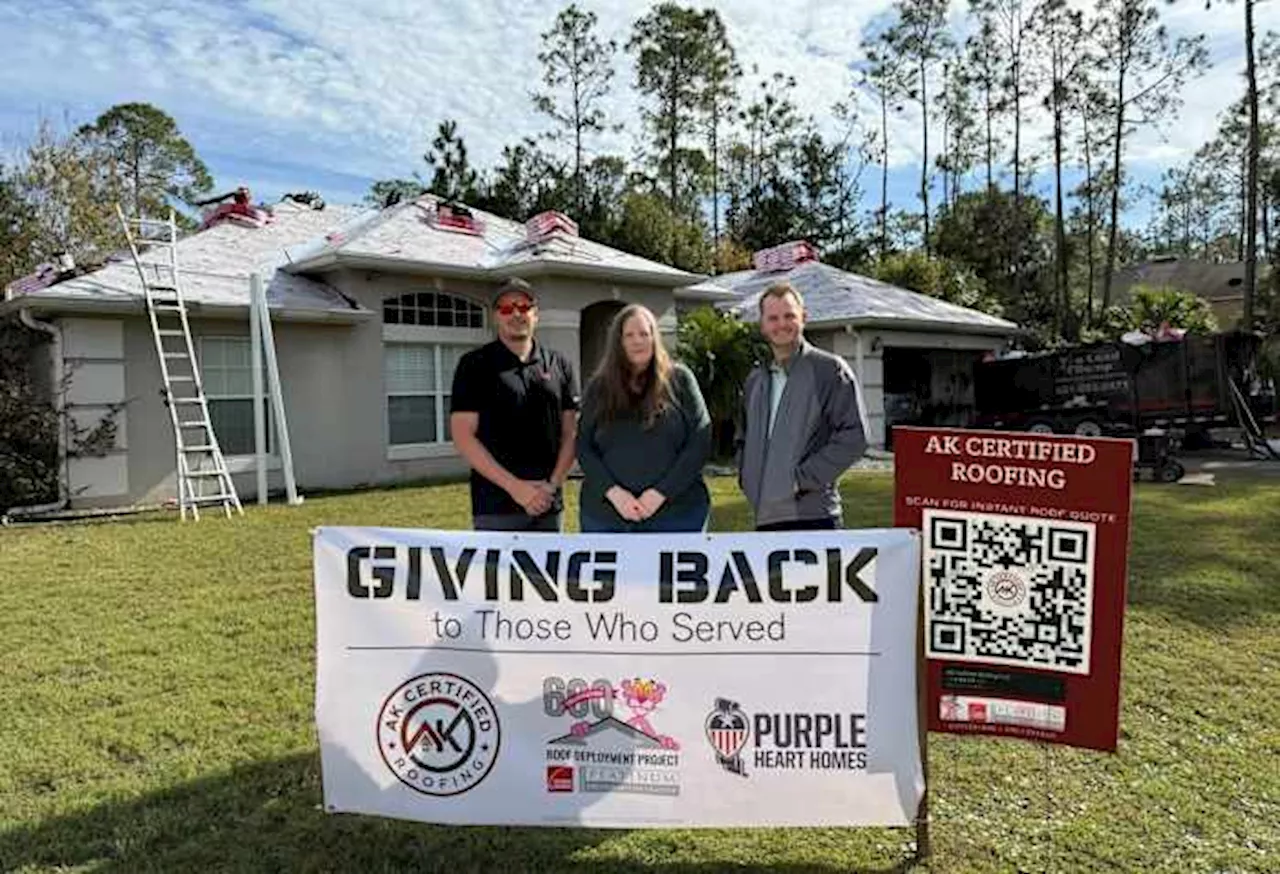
606	753
439	734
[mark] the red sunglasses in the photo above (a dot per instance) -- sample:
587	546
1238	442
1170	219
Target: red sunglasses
507	309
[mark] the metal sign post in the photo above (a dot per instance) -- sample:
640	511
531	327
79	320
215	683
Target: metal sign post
923	844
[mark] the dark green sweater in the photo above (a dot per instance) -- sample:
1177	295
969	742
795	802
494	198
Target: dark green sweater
668	456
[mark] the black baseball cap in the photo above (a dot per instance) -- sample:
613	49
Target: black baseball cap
513	285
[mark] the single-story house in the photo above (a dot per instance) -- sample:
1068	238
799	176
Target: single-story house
371	310
1221	285
914	355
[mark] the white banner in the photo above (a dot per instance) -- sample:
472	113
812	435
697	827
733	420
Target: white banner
634	680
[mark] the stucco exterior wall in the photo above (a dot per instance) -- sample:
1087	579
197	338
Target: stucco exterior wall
94	367
332	384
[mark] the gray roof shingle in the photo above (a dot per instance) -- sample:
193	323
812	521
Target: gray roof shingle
832	295
1212	281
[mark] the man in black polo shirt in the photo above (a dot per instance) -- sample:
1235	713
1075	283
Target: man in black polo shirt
514	419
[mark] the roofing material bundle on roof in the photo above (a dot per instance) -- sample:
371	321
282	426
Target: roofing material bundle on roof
453	217
785	256
544	224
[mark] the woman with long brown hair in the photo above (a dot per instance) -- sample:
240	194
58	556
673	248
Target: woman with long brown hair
643	436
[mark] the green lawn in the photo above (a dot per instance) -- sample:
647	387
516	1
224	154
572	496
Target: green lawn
156	713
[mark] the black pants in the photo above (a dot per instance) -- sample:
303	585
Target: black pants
549	522
826	523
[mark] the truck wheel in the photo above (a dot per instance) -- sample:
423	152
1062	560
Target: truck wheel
1040	426
1171	472
1087	428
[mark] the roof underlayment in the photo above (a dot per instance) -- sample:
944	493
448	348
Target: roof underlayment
215	265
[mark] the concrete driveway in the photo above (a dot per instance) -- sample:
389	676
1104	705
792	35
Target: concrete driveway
1205	467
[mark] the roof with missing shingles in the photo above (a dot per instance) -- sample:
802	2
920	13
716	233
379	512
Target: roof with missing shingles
407	233
215	265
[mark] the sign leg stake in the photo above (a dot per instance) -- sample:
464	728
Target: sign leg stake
923	844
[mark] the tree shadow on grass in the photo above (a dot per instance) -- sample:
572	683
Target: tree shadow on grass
266	817
1212	561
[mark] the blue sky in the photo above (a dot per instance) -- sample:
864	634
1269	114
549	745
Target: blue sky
331	94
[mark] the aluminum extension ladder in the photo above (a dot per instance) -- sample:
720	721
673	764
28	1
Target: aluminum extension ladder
203	478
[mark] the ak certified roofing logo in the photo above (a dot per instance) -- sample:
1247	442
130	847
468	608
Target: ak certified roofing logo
439	734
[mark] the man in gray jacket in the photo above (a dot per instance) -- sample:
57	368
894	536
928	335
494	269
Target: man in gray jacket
803	424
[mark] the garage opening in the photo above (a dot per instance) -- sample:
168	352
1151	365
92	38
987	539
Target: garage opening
928	387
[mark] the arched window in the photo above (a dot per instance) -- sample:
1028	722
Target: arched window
432	309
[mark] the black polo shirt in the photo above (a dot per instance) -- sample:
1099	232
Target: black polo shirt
520	406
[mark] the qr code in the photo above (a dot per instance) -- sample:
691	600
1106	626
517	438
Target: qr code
1009	590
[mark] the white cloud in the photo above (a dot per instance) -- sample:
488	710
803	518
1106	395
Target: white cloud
358	87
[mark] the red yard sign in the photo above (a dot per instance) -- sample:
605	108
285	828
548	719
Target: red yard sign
1024	539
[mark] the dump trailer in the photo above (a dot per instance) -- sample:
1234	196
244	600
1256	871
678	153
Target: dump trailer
1118	388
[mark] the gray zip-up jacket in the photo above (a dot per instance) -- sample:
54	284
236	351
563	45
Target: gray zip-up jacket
820	431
